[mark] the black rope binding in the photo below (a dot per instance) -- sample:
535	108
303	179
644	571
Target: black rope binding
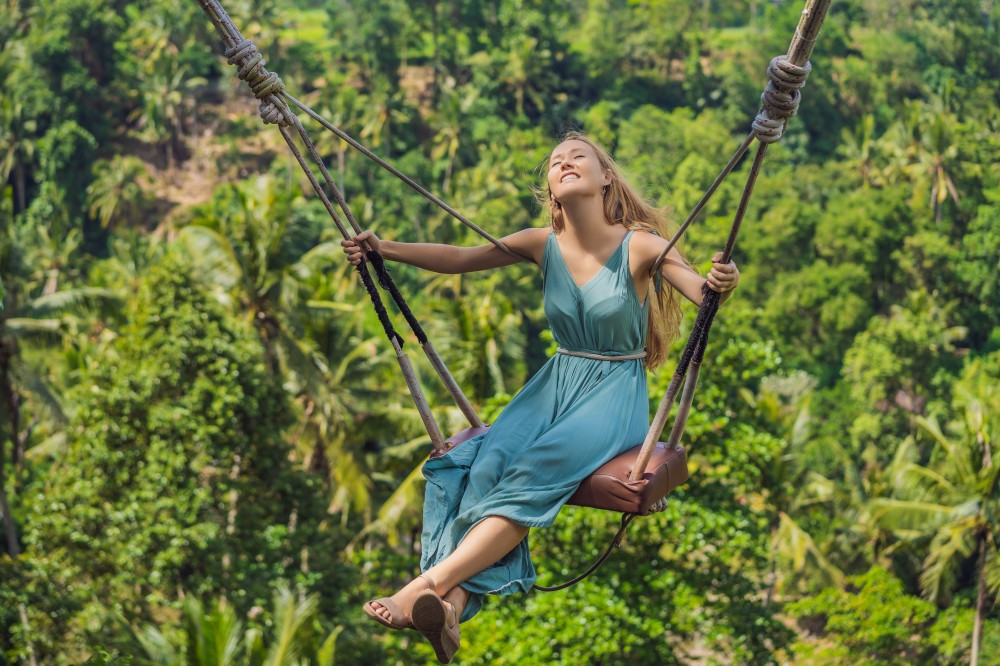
384	279
373	294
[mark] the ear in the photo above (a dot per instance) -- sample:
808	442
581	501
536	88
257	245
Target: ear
606	180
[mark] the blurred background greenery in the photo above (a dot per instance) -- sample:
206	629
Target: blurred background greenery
207	454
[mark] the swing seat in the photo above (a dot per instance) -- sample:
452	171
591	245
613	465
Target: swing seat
608	487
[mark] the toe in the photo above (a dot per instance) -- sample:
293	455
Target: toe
381	610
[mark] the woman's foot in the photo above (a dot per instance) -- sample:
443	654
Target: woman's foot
437	618
456	599
403	601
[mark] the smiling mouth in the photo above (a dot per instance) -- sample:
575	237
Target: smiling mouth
569	176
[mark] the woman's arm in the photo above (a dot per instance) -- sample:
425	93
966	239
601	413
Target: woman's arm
683	278
450	259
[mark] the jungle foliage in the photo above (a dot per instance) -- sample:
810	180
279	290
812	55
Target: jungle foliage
206	450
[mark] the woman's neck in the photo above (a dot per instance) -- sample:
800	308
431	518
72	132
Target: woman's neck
585	224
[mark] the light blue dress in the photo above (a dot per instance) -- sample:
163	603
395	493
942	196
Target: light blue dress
571	417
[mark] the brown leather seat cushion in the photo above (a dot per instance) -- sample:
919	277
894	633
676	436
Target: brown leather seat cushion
608	486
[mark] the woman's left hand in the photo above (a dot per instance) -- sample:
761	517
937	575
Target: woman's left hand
722	277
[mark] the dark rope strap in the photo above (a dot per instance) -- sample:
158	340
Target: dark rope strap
378	263
616	541
380	311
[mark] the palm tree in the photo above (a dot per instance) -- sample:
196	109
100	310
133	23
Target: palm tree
38	322
164	104
521	70
116	194
792	485
244	245
216	637
451	110
951	504
316	328
922	147
17	146
858	147
481	328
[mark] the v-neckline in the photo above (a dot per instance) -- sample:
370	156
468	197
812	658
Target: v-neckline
599	270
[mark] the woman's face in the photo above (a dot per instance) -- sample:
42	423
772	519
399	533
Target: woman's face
575	172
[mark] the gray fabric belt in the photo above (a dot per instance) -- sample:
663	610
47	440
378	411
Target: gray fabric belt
601	357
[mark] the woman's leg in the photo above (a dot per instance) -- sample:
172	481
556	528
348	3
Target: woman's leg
485	544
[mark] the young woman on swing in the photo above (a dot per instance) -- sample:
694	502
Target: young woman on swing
574	414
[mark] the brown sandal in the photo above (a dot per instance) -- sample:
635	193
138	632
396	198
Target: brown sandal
430	618
394	610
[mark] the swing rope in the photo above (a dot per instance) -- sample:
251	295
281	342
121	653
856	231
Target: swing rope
780	99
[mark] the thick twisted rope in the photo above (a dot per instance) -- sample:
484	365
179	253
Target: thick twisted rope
780	99
265	85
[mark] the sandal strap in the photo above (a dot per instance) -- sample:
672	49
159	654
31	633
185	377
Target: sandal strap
398	616
430	582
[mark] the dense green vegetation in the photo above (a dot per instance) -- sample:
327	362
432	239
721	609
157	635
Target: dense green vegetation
206	449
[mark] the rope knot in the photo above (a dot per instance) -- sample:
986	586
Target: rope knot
263	84
780	99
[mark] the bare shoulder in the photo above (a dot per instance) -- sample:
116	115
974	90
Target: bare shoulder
529	242
646	247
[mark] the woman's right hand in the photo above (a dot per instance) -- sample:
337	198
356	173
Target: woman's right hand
353	249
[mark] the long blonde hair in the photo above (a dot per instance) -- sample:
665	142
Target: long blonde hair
624	206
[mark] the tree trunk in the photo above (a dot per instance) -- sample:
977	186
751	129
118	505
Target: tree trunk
14	550
19	188
10	531
977	627
234	496
437	52
24	623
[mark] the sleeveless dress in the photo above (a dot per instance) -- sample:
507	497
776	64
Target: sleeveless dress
570	418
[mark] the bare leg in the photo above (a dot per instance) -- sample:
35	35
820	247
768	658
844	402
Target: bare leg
485	544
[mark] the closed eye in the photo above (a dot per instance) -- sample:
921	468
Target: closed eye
558	162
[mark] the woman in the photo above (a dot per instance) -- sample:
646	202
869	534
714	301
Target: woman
574	414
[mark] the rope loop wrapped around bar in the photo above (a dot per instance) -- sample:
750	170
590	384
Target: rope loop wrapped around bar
780	99
265	85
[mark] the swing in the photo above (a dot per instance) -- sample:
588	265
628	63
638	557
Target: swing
636	482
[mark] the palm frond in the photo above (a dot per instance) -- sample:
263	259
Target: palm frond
950	546
71	300
212	254
290	616
797	545
326	655
27	326
895	514
405	503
